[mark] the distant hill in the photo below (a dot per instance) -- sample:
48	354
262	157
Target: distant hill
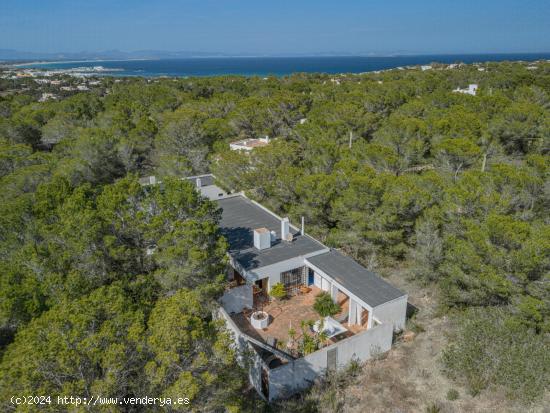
18	55
13	55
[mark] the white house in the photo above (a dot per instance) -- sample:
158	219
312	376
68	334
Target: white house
266	250
470	90
249	144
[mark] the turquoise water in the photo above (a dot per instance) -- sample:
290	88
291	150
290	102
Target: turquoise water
277	66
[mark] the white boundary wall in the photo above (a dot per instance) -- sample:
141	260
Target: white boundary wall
244	349
298	375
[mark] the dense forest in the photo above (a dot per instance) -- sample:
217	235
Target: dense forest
393	168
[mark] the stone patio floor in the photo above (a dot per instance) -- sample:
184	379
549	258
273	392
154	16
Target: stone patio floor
290	312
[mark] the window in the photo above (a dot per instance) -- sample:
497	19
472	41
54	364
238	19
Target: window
293	279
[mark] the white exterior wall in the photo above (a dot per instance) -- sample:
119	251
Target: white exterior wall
354	300
273	272
237	147
325	284
317	280
298	375
393	313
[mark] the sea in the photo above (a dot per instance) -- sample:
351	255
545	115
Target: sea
268	66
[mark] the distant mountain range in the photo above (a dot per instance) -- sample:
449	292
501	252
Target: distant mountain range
10	54
18	55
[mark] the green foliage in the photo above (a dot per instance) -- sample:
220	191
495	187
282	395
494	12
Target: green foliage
489	348
278	291
324	306
192	355
88	345
388	167
453	394
309	341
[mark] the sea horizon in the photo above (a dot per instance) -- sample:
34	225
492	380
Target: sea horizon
268	65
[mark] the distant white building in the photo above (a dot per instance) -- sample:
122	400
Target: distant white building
47	96
249	144
425	67
470	90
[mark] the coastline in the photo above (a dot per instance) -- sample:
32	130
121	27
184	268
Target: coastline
261	66
59	62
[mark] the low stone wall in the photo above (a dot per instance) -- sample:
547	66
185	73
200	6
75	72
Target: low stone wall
299	374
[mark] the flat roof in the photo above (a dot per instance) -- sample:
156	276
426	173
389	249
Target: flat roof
251	143
365	284
241	216
206	180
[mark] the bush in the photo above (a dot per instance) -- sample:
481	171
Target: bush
489	348
324	306
278	291
433	408
452	394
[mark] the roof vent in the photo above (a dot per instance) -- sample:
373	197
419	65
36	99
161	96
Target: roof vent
262	238
285	231
198	182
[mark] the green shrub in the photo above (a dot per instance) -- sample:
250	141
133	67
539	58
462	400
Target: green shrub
433	408
489	348
452	394
278	291
324	306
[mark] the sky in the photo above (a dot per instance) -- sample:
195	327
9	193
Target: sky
277	26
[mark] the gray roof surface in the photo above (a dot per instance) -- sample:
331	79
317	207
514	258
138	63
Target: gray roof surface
206	180
241	216
365	284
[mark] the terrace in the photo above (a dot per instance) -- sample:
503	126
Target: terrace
289	314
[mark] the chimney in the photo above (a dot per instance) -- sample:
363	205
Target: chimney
199	183
303	232
262	238
285	231
152	180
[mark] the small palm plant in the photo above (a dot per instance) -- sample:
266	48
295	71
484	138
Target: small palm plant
324	306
